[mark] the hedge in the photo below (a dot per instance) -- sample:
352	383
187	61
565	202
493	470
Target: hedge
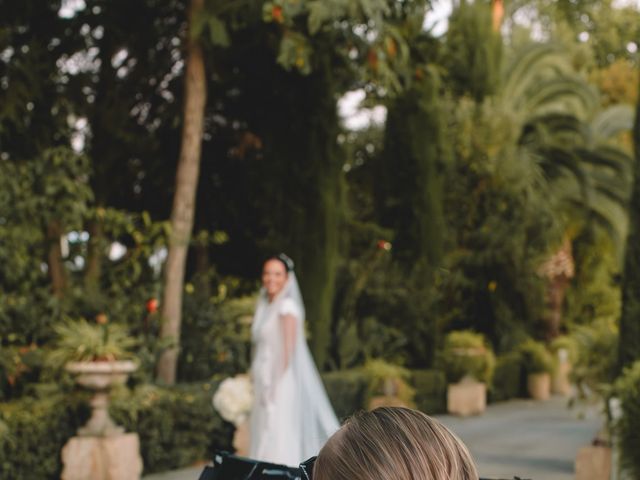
347	390
431	390
509	379
33	432
628	427
177	427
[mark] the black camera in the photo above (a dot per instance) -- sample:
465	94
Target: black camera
232	467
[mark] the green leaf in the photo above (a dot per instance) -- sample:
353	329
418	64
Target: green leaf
218	32
318	14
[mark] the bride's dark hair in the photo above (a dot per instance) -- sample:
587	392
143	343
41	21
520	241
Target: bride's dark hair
285	259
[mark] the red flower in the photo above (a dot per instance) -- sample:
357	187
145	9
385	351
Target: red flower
102	319
276	14
152	305
384	245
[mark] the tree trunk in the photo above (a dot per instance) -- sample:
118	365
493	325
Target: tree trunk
629	346
56	265
182	213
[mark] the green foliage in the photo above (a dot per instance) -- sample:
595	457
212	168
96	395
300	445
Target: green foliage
33	432
503	223
473	52
388	379
595	367
430	390
372	38
536	358
19	367
566	343
216	337
627	387
347	390
595	290
629	347
508	378
408	175
465	353
81	341
177	426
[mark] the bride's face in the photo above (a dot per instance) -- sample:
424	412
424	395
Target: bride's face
274	276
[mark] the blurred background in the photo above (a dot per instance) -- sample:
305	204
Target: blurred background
454	180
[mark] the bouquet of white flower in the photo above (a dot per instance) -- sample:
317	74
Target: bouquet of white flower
233	399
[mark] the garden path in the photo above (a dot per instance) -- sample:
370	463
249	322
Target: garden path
537	440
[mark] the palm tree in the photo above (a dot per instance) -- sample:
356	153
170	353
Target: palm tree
559	127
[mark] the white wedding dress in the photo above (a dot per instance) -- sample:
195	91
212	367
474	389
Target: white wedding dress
291	417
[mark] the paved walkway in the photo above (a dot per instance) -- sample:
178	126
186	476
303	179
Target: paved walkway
537	440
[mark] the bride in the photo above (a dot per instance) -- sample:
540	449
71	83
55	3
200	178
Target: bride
291	417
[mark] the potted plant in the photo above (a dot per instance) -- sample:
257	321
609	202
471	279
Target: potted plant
388	384
99	356
538	364
468	363
564	349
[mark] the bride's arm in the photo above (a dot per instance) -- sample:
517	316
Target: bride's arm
288	323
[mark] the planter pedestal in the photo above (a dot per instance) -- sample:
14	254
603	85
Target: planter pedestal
561	384
468	397
113	457
539	386
101	450
593	463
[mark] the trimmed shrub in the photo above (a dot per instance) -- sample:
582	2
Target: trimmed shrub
595	366
431	390
566	343
466	353
347	390
535	357
628	427
508	378
388	379
177	426
33	432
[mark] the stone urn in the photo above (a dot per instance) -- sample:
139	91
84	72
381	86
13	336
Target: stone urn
539	385
99	377
467	397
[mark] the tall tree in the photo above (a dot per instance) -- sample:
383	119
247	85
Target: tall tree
183	210
629	347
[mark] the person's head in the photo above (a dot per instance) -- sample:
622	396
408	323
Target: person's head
275	273
394	444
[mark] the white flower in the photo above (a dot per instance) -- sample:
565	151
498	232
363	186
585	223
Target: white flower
233	399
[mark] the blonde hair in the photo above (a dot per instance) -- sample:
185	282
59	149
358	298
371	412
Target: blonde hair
394	444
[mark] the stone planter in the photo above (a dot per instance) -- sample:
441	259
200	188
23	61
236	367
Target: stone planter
561	383
593	463
539	386
99	377
467	397
101	450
